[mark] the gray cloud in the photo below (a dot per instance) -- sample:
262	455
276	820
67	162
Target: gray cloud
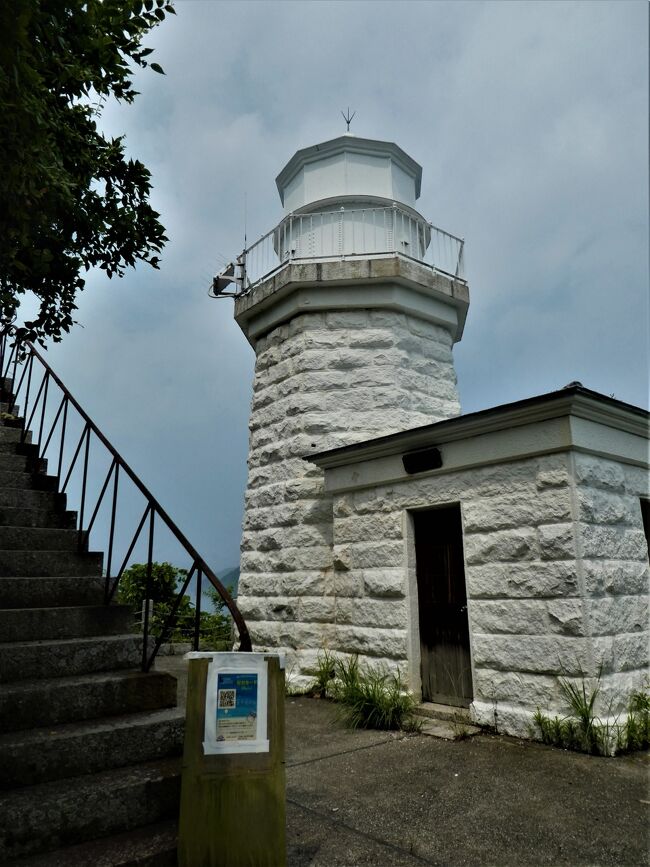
529	120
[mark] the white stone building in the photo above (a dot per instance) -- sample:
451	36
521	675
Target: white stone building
484	554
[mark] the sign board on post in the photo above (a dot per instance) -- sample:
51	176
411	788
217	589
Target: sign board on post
236	704
233	784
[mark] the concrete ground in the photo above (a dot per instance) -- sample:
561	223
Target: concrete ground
390	800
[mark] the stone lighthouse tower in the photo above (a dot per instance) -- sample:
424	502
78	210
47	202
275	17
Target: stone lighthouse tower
352	305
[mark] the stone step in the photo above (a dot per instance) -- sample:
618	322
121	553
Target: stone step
12	463
32	703
14	498
75	621
12	434
40	755
432	710
19	462
23	516
30	481
53	563
46	592
449	730
38	660
51	815
150	846
41	539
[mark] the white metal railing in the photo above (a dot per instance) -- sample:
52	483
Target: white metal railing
352	233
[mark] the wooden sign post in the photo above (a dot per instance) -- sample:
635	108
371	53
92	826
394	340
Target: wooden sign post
233	785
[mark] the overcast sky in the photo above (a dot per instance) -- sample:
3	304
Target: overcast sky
530	122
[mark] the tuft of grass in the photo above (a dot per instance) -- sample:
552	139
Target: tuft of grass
634	734
324	675
584	731
372	699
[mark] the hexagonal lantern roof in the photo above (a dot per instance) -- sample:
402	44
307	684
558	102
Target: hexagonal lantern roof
347	168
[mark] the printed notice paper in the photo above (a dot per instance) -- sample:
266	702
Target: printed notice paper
236	707
236	697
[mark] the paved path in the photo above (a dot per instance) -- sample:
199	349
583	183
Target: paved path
361	798
390	800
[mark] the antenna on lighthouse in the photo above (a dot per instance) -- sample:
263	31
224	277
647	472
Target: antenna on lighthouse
348	117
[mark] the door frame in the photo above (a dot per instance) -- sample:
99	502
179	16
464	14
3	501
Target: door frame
413	632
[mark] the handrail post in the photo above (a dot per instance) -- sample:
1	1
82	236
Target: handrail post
148	590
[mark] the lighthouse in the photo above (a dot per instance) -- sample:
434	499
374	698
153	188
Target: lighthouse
352	304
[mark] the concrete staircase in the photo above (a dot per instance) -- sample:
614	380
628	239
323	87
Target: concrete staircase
89	745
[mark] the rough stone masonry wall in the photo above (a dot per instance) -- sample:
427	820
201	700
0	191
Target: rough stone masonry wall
323	380
613	559
529	612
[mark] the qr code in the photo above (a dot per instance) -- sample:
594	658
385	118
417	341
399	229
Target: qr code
227	697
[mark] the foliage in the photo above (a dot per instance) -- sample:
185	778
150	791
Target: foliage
634	734
582	730
70	200
215	628
324	674
367	699
164	583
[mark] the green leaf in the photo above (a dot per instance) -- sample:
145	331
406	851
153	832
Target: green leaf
157	68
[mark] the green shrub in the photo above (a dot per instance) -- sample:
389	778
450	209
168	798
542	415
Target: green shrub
585	732
324	675
366	699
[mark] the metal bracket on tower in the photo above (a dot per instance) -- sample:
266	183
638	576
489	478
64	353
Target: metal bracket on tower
234	273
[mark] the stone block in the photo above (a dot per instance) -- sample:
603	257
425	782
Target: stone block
498	513
347	583
379	613
302	636
390	643
360	528
617	689
616	577
566	616
307	583
384	583
599	473
637	481
499	546
621	614
632	651
269	608
375	555
532	690
429	330
342	507
508	719
613	542
602	655
536	654
352	319
256	583
371	338
307	322
317	609
557	477
556	542
598	506
521	580
514	616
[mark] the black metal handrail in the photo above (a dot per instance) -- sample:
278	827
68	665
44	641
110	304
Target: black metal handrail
17	360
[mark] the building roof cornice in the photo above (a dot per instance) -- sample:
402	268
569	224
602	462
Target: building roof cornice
575	400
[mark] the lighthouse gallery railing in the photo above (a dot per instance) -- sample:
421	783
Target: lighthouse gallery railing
346	233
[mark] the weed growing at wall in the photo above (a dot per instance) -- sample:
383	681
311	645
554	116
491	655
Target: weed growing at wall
584	731
367	698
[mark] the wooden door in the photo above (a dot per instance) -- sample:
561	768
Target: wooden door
442	599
